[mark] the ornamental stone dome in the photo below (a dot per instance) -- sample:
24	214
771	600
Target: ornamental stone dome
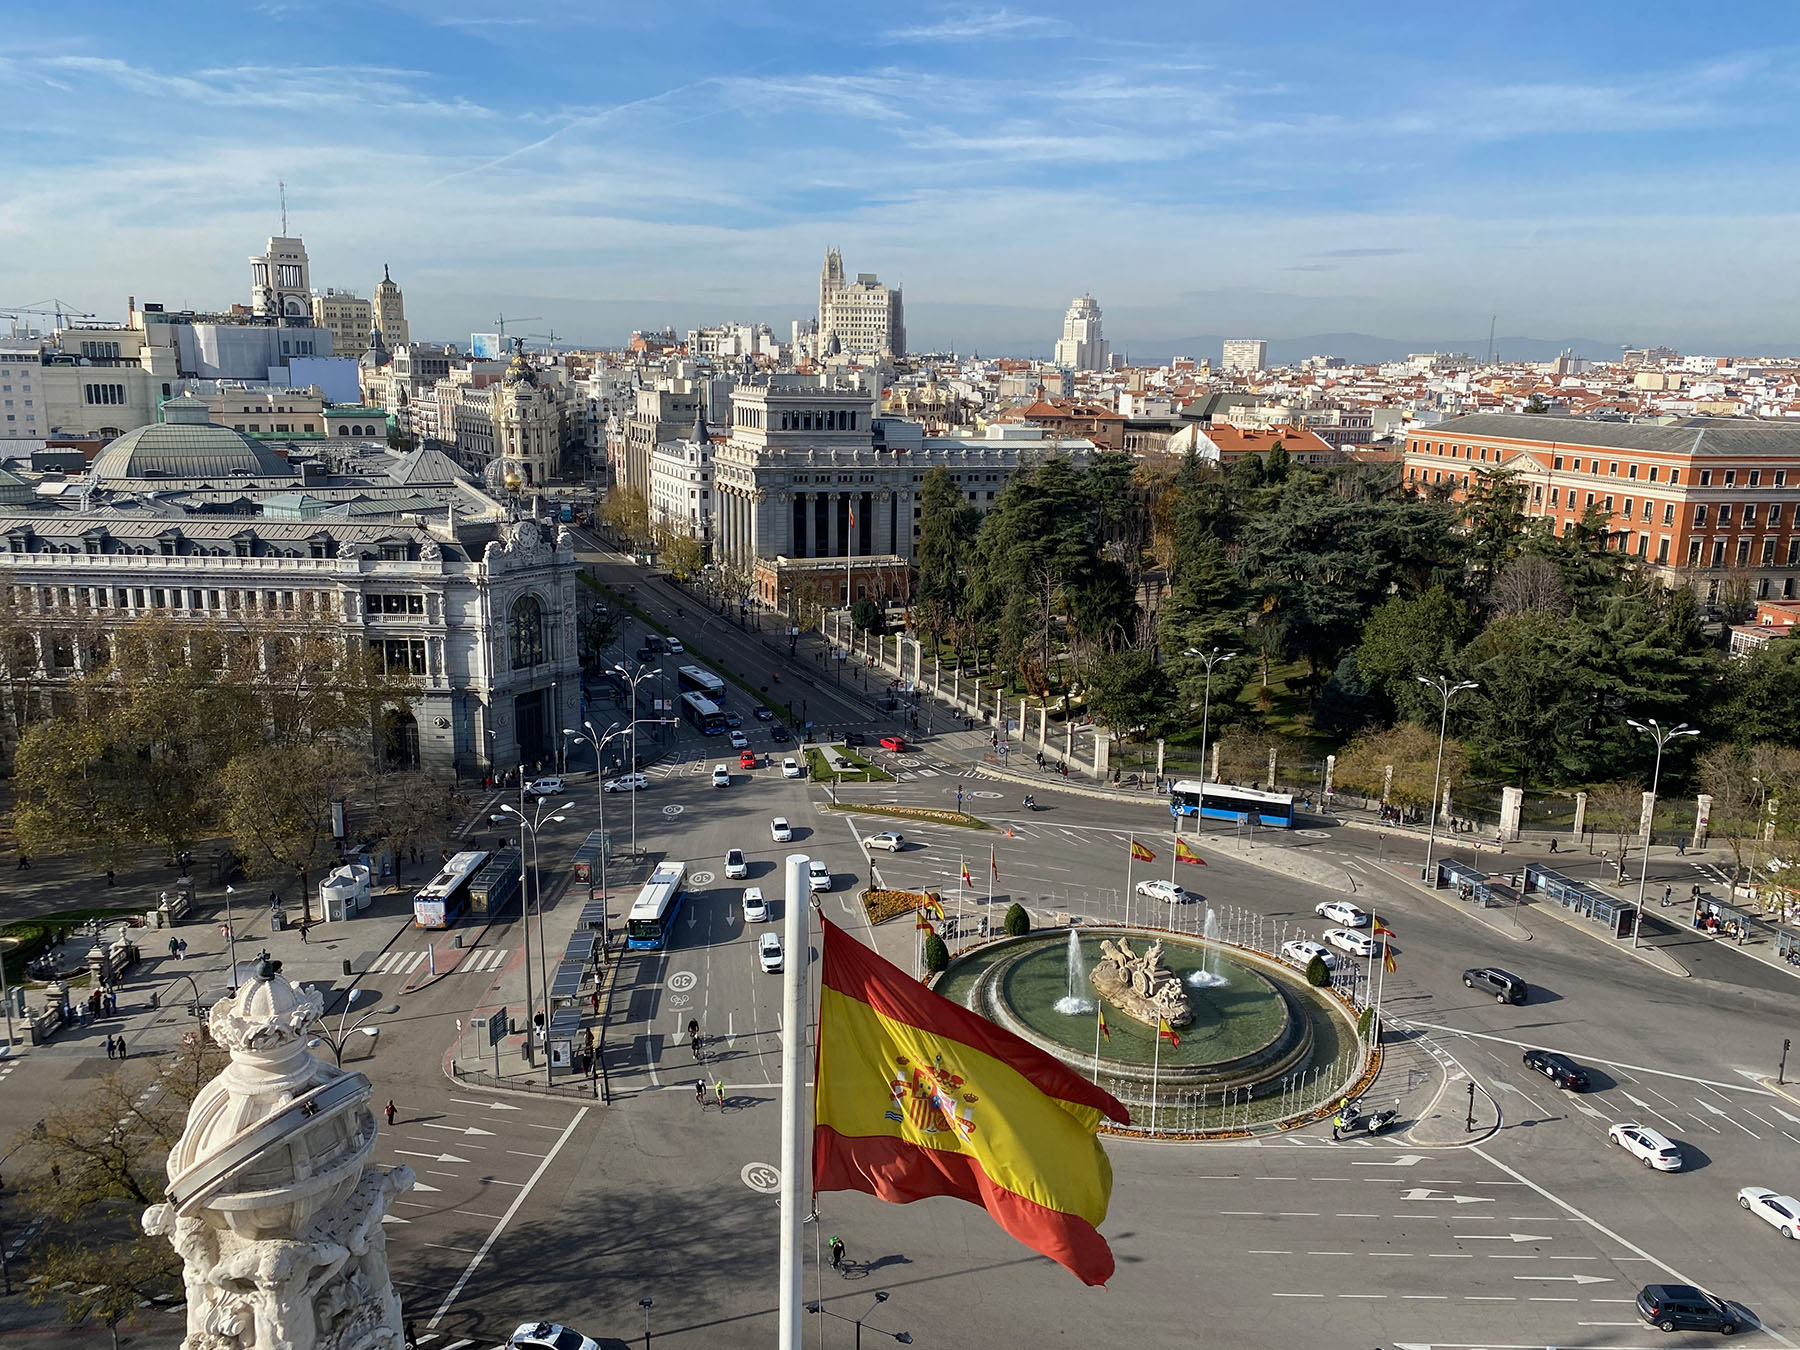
520	372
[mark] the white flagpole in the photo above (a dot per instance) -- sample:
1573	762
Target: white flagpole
1099	1012
1130	857
794	1136
993	867
1155	1075
962	888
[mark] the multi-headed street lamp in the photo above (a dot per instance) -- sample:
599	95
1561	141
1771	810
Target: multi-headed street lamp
1662	736
1446	691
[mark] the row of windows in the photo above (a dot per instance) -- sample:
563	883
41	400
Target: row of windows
104	393
1610	467
51	599
100	351
399	656
376	602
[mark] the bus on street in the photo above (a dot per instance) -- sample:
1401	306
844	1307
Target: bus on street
699	680
439	901
1220	801
702	714
653	912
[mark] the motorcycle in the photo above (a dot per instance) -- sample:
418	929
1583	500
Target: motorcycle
1377	1121
1031	804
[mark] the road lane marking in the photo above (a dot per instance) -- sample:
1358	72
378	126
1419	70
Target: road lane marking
1609	1063
500	1227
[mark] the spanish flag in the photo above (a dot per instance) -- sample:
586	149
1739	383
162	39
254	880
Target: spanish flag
1387	958
917	1096
1167	1032
993	862
1140	853
1378	928
1105	1030
935	905
967	880
1185	854
921	922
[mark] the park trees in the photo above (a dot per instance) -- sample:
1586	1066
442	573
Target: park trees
626	512
1412	753
947	528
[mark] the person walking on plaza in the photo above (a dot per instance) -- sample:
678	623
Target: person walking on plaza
389	1108
837	1251
109	1047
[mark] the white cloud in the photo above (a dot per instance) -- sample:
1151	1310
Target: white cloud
973	24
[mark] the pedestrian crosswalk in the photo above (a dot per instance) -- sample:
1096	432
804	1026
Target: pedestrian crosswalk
407	962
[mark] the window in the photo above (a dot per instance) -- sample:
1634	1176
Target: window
1649	508
1590	499
1675	477
1775	515
1725	515
1669	513
1631	471
1718	553
1793	558
1730	477
1750	515
1743	553
1556	463
1781	478
1762	589
1653	469
1755	477
1553	495
1627	510
1609	505
1706	478
1643	548
527	633
1577	465
1613	469
1662	549
1768	553
1700	516
1694	552
104	394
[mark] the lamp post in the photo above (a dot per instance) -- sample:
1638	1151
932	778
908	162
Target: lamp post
1209	660
881	1297
231	935
531	827
1762	792
1662	736
599	743
1446	691
643	673
646	1305
338	1039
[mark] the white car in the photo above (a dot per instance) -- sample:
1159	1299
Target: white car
1166	891
818	875
736	868
630	782
756	910
780	831
891	840
1300	953
790	768
675	647
544	787
1349	940
549	1336
739	741
721	776
1780	1211
1645	1144
768	951
1342	911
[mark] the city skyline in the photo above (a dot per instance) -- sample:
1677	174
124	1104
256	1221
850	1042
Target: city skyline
1343	176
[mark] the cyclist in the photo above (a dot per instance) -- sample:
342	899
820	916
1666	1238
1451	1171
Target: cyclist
694	1038
700	1093
719	1091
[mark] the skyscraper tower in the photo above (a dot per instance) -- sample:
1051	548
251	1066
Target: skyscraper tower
1081	347
279	281
390	311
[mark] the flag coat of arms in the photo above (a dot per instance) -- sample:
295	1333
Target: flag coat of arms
917	1096
1187	855
1140	853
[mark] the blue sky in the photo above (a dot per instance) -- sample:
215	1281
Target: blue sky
1619	171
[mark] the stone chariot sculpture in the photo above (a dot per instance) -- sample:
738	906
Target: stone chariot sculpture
1141	986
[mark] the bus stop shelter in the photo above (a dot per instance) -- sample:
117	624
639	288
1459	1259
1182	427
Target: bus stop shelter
1618	916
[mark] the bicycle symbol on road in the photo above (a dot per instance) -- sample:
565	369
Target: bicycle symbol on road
681	981
761	1177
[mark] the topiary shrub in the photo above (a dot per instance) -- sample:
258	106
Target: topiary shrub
1018	922
1316	973
937	955
1365	1021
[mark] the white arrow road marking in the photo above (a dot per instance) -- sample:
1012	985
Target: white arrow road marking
1791	1119
492	1106
1569	1279
457	1129
1404	1160
1426	1193
1585	1109
421	1186
1643	1105
431	1157
1727	1116
394	1218
1503	1237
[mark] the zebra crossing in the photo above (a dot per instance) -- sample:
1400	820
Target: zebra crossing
406	962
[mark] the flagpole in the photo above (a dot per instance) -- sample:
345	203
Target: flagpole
1099	1016
1155	1077
1130	857
794	1136
962	888
993	871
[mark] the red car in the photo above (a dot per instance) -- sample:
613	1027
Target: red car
894	743
747	760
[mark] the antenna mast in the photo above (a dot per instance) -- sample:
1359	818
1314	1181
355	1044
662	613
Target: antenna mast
1493	323
283	187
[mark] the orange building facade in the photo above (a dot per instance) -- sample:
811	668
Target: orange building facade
1699	502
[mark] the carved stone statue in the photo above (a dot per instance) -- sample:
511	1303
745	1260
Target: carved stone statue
273	1206
1141	986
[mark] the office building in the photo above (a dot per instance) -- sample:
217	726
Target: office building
1081	346
860	319
1244	354
390	312
346	316
280	284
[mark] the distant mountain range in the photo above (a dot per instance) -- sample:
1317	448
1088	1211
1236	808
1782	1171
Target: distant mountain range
1366	349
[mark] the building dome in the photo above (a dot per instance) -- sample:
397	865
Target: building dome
182	447
520	372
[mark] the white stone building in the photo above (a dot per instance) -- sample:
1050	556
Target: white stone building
1244	354
864	317
280	281
681	486
1081	346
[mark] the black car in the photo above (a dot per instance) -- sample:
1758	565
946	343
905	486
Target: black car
1559	1069
644	655
733	721
1503	985
1681	1307
855	738
764	714
778	732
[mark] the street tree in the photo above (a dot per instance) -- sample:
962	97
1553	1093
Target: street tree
1131	693
1412	752
868	617
1616	811
681	554
1728	773
627	514
947	528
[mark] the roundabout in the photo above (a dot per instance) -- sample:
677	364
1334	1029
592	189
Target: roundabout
1253	1046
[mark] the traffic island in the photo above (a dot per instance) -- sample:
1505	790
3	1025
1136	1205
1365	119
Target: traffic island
923	814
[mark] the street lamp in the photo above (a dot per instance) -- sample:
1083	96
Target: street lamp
646	1304
337	1040
881	1297
599	743
1662	736
532	826
1209	660
643	673
1446	691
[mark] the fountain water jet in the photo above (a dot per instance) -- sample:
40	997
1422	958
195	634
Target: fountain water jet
1208	977
1075	1002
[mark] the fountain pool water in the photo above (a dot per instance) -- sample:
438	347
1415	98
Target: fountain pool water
1207	976
1079	999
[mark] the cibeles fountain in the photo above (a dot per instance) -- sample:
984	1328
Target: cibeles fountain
273	1204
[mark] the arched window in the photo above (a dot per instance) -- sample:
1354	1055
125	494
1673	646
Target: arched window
527	633
343	430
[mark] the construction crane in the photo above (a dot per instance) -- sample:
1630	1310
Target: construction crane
549	339
500	323
58	309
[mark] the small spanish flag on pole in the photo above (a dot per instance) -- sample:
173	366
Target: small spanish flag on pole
917	1096
1187	855
1105	1030
1141	853
1167	1032
1387	958
921	922
967	879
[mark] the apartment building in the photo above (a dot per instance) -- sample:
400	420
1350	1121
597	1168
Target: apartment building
1700	501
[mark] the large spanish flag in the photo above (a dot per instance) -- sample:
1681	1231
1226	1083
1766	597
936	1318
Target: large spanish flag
1187	855
917	1096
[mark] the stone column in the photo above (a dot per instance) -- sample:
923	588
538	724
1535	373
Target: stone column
1159	756
1330	774
1387	783
1512	804
937	675
1214	776
1271	768
1043	725
1580	816
1702	819
1069	738
1102	753
1021	719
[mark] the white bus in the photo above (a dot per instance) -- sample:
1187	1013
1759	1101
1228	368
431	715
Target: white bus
440	900
701	681
1218	801
653	912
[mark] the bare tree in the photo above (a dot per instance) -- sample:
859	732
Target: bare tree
1529	584
1617	810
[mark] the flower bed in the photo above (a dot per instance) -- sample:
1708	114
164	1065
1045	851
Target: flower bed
882	905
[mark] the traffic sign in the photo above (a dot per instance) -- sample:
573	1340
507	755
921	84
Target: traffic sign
496	1026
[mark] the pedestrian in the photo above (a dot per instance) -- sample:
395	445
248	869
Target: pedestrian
837	1251
120	1042
24	862
109	877
1681	848
174	947
109	1047
719	1092
1553	846
1667	892
412	1335
183	949
389	1108
303	930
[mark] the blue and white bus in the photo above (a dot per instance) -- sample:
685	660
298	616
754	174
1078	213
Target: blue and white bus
702	714
653	912
701	681
440	900
1220	801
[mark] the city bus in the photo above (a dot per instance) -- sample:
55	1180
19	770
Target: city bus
698	680
1220	801
439	901
702	714
653	912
